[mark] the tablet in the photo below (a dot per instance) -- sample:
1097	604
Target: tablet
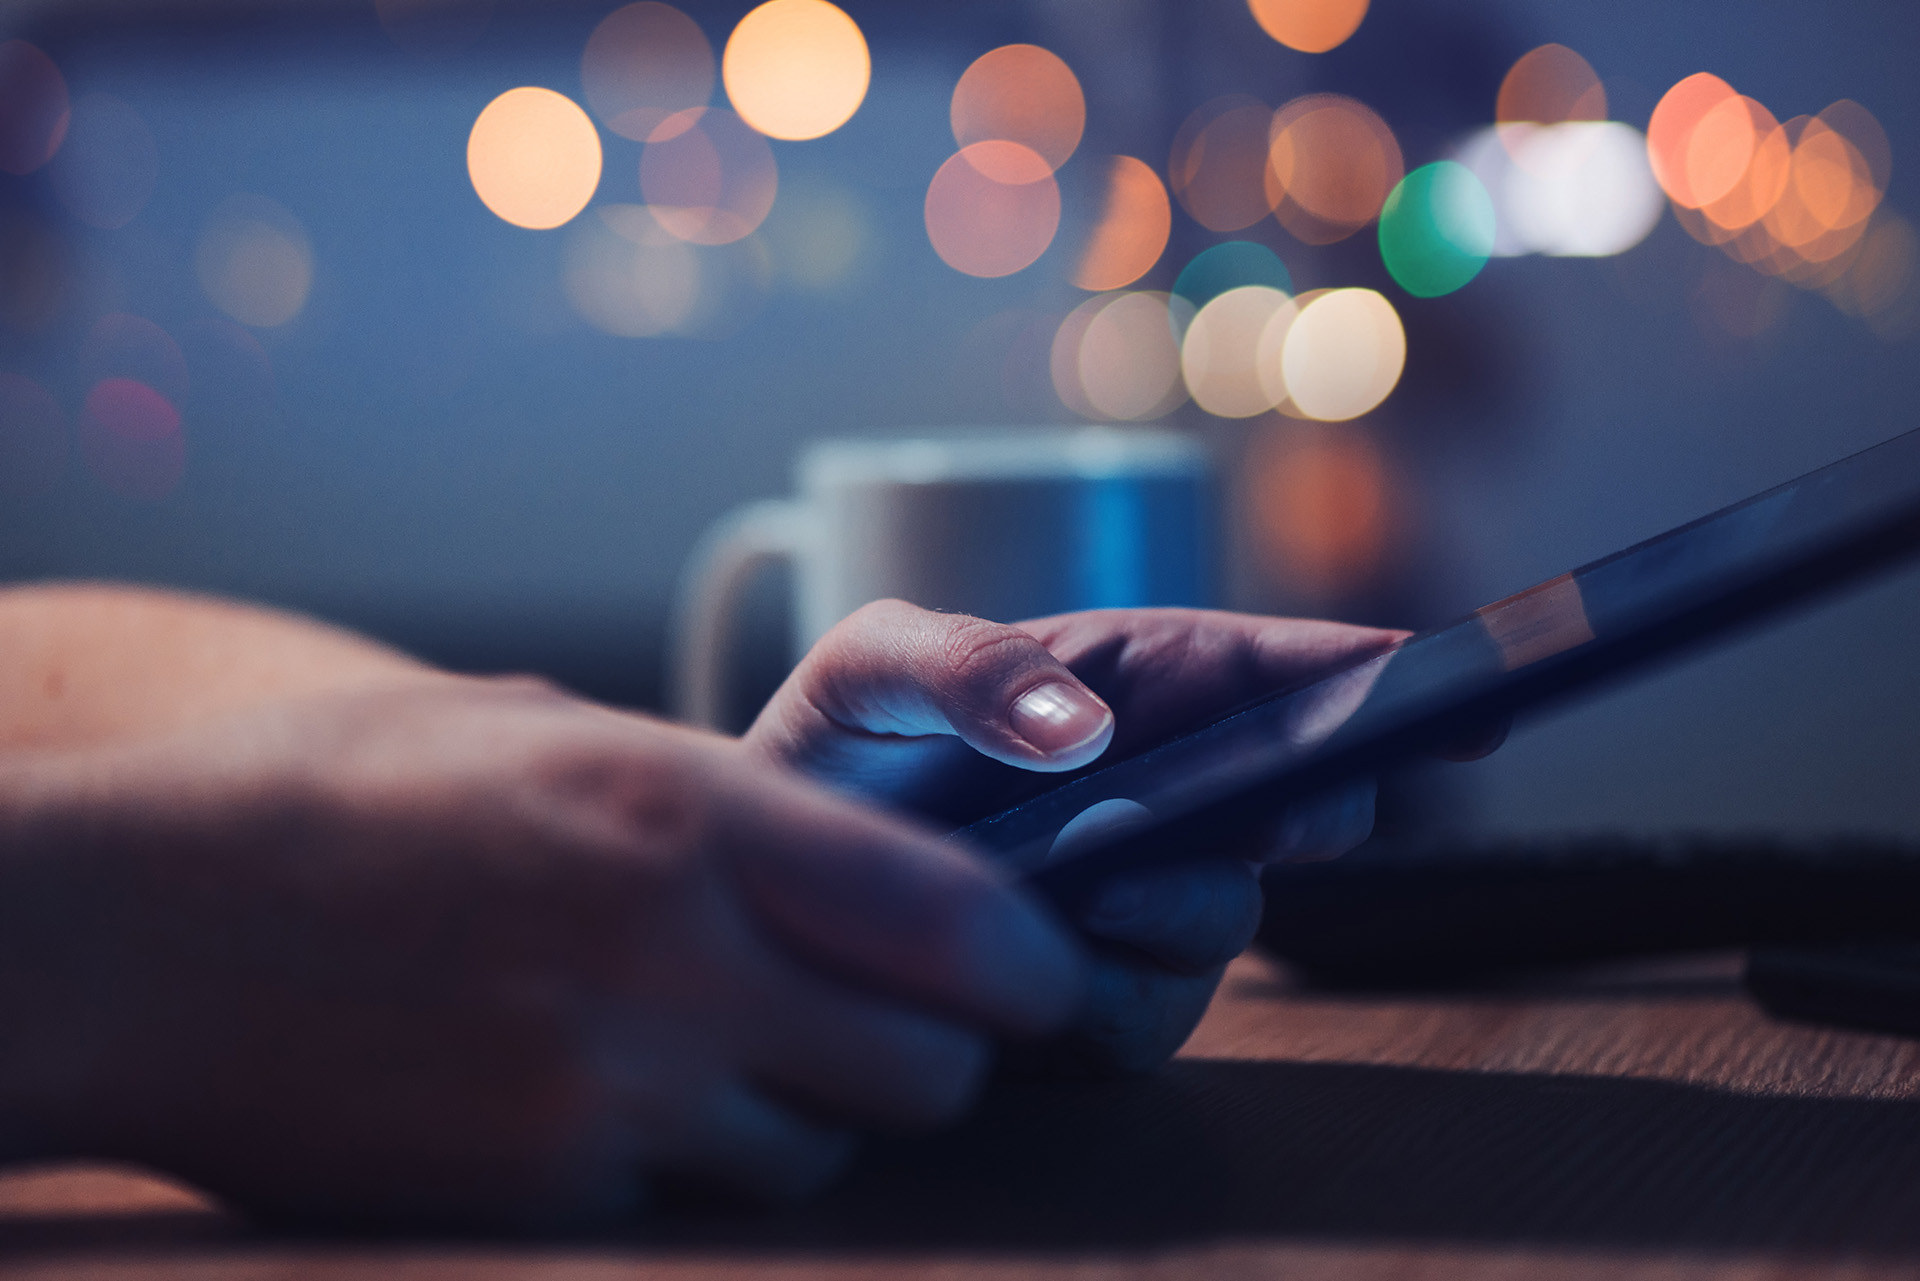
1187	796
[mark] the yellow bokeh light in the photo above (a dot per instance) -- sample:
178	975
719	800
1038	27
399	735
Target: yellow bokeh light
643	63
255	262
1218	165
1128	362
1135	222
1344	354
534	158
1220	355
626	276
992	209
1311	26
1021	93
708	178
1331	164
796	69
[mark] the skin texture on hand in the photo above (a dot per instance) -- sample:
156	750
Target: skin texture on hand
477	952
935	715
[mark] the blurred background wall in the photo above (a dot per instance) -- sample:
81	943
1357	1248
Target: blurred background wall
260	335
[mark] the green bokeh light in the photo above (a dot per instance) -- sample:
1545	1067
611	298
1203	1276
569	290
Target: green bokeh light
1436	229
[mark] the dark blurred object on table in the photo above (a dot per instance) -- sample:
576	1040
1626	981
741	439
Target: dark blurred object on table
1425	914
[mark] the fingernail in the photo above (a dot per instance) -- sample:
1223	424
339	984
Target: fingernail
1116	905
1057	718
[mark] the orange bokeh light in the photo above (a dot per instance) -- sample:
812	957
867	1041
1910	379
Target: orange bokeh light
1321	507
707	177
643	63
1135	221
1670	135
1763	179
1021	93
1311	26
534	158
992	208
1331	164
796	69
1219	162
1550	85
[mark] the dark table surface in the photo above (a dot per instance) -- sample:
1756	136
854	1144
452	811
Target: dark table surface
1643	1121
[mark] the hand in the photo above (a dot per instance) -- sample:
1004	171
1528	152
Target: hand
953	717
475	951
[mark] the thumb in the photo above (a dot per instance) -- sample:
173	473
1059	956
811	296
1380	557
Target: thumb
894	668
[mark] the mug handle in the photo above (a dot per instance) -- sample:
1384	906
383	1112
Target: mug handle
707	598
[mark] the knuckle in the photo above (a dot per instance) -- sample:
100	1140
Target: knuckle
980	653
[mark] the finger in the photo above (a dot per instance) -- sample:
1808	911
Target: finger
893	668
1191	918
894	910
736	1139
1166	670
1325	825
870	1063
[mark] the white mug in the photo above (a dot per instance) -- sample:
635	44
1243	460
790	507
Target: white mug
999	524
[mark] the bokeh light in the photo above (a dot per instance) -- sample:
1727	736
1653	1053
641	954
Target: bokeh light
1550	85
1436	229
1131	233
1879	284
1330	163
643	63
1129	363
1218	165
33	437
1737	160
1229	265
819	233
125	346
1857	125
255	261
1063	354
34	109
1343	354
993	208
1670	140
1580	189
107	168
1220	355
1311	26
534	158
36	270
708	178
626	276
1021	93
130	436
796	69
1320	505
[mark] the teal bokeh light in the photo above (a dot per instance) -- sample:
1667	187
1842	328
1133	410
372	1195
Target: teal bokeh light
1229	266
1436	229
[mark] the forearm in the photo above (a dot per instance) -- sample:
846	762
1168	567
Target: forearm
88	663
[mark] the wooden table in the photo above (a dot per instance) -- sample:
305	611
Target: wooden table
1643	1122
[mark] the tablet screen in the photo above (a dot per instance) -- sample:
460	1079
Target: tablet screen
1556	636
